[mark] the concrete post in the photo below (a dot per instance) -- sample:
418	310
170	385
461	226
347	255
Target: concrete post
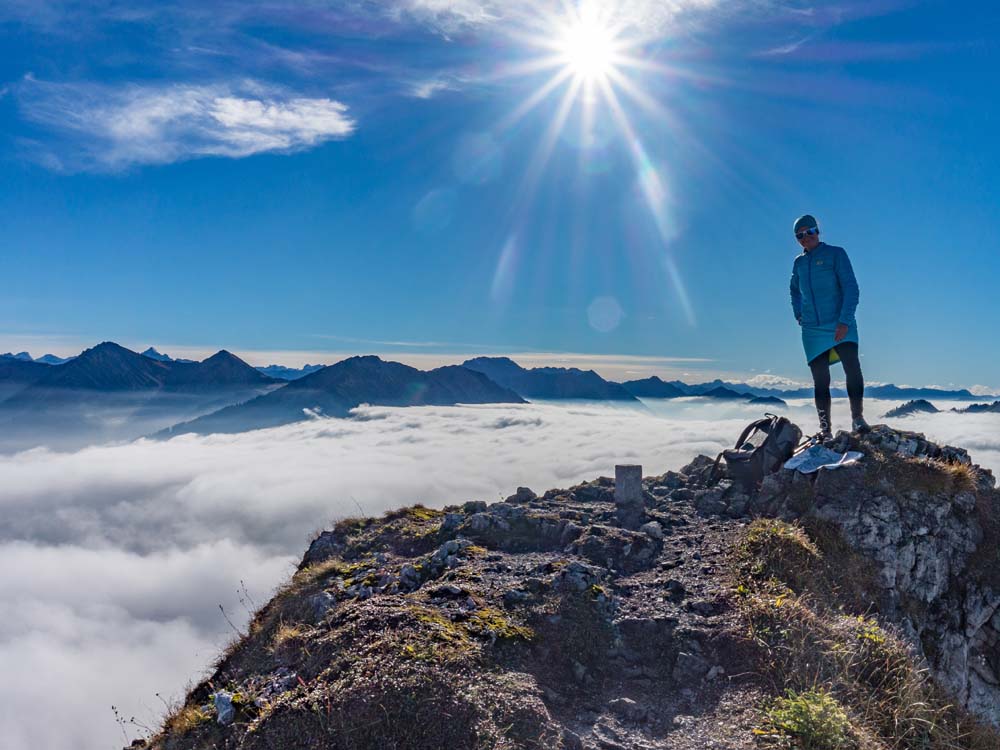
629	505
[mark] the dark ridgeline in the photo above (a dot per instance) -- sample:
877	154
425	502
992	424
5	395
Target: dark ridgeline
333	391
112	393
772	400
980	408
918	406
110	368
289	373
17	374
725	393
652	387
549	382
153	354
890	391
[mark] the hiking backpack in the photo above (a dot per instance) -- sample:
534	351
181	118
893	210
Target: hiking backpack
763	447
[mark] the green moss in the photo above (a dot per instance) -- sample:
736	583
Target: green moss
332	568
495	624
813	720
416	513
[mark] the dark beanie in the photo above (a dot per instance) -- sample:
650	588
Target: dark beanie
804	222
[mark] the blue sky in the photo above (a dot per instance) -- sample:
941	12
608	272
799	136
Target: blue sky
294	181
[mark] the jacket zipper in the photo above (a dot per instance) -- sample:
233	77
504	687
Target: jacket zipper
811	292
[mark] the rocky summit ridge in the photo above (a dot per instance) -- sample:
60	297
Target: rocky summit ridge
853	608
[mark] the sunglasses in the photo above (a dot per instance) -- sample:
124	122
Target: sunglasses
806	232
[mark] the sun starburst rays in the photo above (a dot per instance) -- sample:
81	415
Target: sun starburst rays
589	55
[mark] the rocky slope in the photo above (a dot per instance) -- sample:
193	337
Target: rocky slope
856	608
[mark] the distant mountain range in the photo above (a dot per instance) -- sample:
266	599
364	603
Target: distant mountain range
333	391
45	359
110	392
289	373
153	354
281	372
921	406
549	382
653	387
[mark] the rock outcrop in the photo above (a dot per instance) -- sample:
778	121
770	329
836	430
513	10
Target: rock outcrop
917	406
993	407
549	621
926	518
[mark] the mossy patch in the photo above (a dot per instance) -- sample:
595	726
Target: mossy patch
497	626
811	720
408	532
322	573
417	513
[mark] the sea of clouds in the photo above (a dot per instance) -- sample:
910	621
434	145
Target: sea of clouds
114	560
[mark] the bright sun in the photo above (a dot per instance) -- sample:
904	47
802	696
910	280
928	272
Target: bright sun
588	49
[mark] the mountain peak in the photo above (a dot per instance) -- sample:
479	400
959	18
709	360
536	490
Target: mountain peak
223	355
159	356
634	619
548	382
22	356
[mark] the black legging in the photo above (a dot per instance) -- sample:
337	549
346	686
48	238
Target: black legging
820	366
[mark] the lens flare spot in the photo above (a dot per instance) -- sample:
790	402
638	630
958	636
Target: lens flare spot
435	211
478	159
605	314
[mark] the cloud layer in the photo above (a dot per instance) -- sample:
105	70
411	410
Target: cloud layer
116	558
112	128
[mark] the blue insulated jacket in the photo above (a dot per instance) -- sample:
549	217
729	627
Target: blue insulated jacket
824	290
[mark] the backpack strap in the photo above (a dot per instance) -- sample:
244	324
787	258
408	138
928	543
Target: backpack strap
748	429
742	438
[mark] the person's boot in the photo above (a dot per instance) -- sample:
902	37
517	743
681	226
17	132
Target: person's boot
859	425
825	433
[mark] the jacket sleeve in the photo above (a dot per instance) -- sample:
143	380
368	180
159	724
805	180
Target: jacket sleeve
849	287
796	295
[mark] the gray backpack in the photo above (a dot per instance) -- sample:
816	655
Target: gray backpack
762	448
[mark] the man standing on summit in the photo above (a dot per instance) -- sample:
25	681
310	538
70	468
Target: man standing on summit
824	298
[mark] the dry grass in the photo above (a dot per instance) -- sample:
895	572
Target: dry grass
807	643
186	719
901	474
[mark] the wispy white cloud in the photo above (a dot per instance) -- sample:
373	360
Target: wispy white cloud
452	16
108	127
429	88
785	49
984	390
765	380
